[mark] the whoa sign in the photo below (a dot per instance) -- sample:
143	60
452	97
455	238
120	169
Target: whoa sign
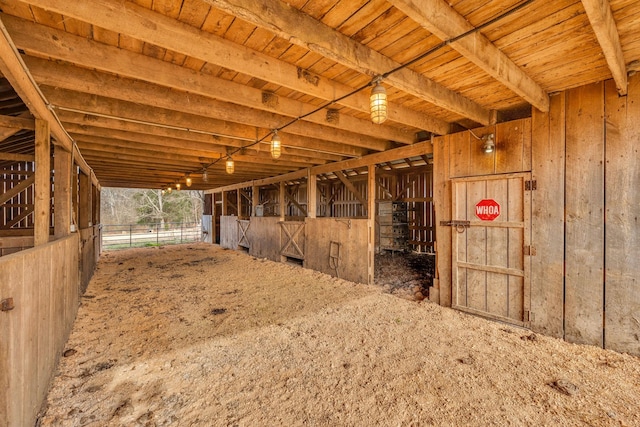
487	209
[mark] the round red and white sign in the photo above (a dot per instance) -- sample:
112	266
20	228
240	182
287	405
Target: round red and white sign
487	209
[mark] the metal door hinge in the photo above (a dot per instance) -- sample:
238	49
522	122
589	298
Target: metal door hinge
530	250
528	316
531	185
7	304
455	223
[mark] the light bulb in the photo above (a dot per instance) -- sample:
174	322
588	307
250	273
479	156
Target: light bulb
178	186
378	103
229	165
276	145
188	181
205	176
169	189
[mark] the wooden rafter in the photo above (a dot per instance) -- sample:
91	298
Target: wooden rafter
601	19
444	22
298	27
159	30
49	42
111	86
349	185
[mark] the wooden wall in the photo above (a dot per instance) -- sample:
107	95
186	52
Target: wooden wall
587	164
44	284
349	237
264	237
229	231
89	254
583	156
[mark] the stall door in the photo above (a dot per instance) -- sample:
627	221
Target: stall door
491	235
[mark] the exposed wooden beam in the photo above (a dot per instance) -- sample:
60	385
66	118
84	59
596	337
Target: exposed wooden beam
57	44
16	72
20	122
111	86
42	198
416	149
295	202
159	30
439	18
12	157
601	19
300	28
349	186
165	123
11	193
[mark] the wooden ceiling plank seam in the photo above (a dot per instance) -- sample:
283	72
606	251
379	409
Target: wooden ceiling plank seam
606	31
291	24
152	27
443	21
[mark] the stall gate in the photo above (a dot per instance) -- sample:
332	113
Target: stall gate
491	246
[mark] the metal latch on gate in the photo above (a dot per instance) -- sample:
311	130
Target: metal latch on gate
458	224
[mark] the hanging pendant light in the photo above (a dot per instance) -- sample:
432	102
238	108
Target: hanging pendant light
169	189
229	165
276	145
205	175
378	102
163	191
188	180
178	186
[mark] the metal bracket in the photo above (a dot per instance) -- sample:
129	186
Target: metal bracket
530	250
7	304
531	185
460	225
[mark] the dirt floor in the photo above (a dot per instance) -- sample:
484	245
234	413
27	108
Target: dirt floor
194	335
406	275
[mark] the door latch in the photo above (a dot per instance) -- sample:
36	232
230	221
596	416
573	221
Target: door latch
459	225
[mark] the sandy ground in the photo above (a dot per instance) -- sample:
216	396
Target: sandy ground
194	335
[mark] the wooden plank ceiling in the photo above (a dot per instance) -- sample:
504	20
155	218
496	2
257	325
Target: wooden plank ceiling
152	90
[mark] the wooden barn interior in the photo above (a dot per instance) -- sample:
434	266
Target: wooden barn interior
528	108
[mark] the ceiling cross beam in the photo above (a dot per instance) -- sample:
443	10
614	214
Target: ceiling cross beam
601	19
130	19
445	23
299	28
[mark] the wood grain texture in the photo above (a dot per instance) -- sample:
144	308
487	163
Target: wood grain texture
547	267
584	234
442	203
622	291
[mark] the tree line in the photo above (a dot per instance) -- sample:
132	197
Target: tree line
135	206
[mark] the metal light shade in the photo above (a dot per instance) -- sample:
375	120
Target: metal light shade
169	189
188	181
178	186
276	145
489	145
230	166
205	176
378	104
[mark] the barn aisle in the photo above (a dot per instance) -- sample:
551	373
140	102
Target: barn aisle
200	336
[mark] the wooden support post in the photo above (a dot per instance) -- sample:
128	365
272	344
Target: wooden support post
312	195
84	208
75	191
225	204
62	192
371	216
282	201
255	199
42	203
239	202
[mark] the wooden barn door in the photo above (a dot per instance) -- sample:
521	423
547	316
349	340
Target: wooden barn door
292	236
243	231
490	246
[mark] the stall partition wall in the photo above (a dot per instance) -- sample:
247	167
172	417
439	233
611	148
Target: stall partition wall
40	290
